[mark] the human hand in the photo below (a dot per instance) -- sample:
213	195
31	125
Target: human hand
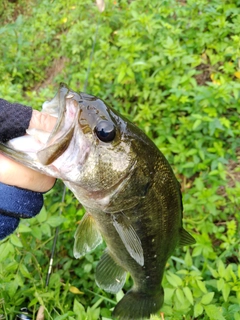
15	174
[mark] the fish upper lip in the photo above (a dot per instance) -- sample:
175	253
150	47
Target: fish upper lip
62	133
29	158
63	94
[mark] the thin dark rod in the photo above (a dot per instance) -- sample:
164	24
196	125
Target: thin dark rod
55	241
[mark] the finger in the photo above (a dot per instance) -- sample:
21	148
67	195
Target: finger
26	177
42	121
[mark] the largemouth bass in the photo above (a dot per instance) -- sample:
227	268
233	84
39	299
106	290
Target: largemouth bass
131	196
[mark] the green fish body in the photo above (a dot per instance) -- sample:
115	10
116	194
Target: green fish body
131	196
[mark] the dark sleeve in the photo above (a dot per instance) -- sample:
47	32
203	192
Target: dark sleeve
14	120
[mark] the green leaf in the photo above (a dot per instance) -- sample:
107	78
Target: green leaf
16	241
42	216
79	310
87	267
37	232
173	279
188	259
214	312
6	250
196	124
201	286
55	221
226	291
221	268
207	298
220	284
168	294
12	267
188	294
24	271
46	229
180	295
12	287
229	274
93	313
119	295
121	75
198	310
236	316
23	228
214	272
65	316
19	280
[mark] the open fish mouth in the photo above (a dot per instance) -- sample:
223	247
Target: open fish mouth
39	149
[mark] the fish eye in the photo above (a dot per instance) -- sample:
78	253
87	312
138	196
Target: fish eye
105	131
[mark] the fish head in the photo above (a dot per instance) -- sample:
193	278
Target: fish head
89	147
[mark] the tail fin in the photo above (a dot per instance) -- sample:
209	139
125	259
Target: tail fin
138	305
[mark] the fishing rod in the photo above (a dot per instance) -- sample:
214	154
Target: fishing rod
25	313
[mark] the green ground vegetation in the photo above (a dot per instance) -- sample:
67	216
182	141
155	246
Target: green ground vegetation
172	67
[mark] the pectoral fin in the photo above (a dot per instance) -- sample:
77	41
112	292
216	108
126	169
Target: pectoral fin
185	238
109	275
129	237
87	237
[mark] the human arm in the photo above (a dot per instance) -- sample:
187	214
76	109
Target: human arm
21	188
11	172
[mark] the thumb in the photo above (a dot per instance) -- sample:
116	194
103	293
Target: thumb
42	121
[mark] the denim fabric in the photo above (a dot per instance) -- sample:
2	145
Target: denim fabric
16	203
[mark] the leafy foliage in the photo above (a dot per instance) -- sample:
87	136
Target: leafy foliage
173	68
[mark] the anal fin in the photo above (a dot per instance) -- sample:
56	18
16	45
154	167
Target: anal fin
109	275
87	237
185	238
